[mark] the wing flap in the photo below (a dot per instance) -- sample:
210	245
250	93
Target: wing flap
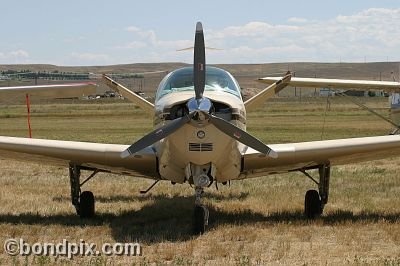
94	155
337	83
296	156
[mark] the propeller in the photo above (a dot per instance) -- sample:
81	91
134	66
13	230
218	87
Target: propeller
156	135
199	62
200	109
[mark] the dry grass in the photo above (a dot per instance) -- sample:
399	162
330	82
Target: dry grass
257	221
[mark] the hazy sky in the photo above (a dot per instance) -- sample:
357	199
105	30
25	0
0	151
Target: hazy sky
120	31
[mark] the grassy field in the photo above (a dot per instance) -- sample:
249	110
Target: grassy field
257	221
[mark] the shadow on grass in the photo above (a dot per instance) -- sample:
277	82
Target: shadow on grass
170	219
143	198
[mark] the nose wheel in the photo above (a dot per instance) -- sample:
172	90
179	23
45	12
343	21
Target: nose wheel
201	213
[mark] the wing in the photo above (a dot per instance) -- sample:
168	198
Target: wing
337	83
104	157
50	91
306	155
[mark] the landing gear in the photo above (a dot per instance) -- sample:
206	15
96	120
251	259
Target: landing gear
86	205
201	213
84	202
315	201
312	204
201	176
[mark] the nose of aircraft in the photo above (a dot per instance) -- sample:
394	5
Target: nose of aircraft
200	109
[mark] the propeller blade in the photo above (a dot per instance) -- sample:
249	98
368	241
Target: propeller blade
199	63
241	136
156	135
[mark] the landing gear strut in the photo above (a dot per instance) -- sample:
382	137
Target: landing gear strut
82	201
315	201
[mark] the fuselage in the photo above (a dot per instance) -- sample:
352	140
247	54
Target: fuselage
199	142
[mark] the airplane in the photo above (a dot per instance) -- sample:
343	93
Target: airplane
200	138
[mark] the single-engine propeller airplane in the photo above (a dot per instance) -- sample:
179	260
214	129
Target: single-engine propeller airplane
200	137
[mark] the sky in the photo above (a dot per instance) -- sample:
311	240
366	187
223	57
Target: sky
255	31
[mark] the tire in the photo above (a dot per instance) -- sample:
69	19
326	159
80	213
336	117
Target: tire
200	220
86	205
312	204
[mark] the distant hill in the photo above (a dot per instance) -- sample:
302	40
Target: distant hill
246	74
141	67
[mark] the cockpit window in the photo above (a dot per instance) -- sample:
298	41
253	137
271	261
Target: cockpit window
182	80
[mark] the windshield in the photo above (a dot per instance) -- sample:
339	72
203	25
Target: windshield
182	80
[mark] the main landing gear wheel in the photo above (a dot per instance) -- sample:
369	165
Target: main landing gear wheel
83	202
200	219
312	204
86	205
315	201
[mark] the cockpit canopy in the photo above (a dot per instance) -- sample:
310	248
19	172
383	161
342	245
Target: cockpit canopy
182	80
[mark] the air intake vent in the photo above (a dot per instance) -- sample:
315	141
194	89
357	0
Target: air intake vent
200	146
